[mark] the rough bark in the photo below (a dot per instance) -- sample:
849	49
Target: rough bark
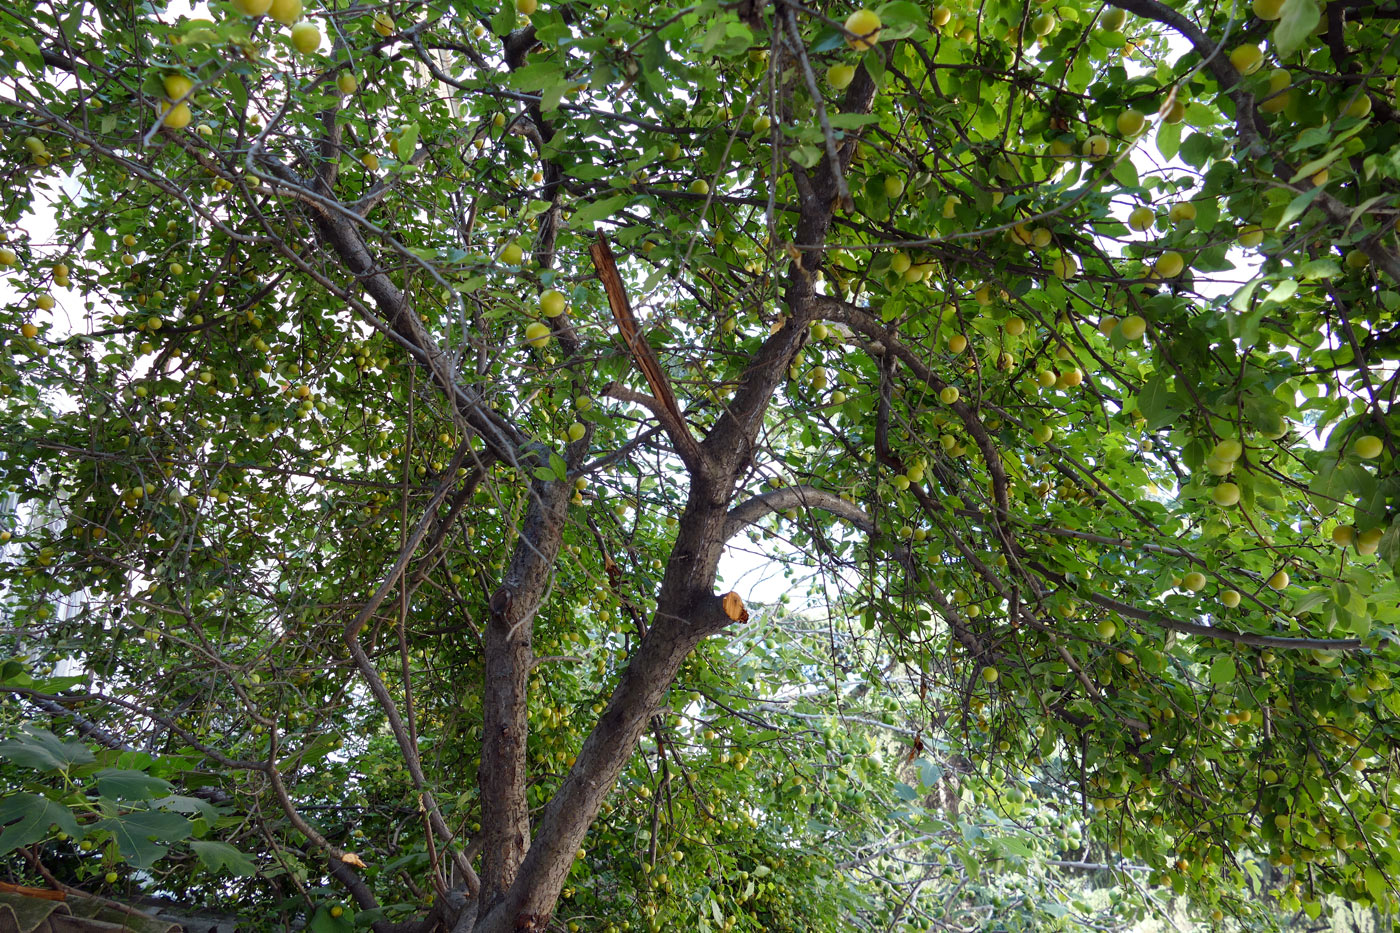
502	777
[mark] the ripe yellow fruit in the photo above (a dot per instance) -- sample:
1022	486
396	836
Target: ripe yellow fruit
1247	58
957	343
1226	494
1095	147
1065	267
252	7
699	186
1369	541
384	24
1132	327
1230	598
1343	535
1267	9
940	16
511	254
1141	218
1195	581
28	331
346	82
1130	123
537	334
949	394
370	161
894	186
839	76
1368	447
552	303
7	256
576	431
176	86
1168	265
1279	581
306	38
176	117
1274	102
864	26
285	12
1014	327
990	674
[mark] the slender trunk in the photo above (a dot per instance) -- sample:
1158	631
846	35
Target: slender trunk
503	779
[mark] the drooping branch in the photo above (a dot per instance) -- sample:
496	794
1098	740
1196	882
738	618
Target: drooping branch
1181	626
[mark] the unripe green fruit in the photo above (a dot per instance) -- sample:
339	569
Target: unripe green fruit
838	77
1130	123
1226	494
1368	447
1132	327
552	303
306	38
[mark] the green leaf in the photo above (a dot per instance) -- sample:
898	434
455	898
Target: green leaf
28	818
1311	167
1298	205
220	856
143	836
43	751
1222	671
1125	173
1154	401
1297	20
123	784
407	143
1282	291
503	21
1375	884
597	210
1319	269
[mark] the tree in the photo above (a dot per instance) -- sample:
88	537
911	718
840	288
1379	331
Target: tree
402	376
